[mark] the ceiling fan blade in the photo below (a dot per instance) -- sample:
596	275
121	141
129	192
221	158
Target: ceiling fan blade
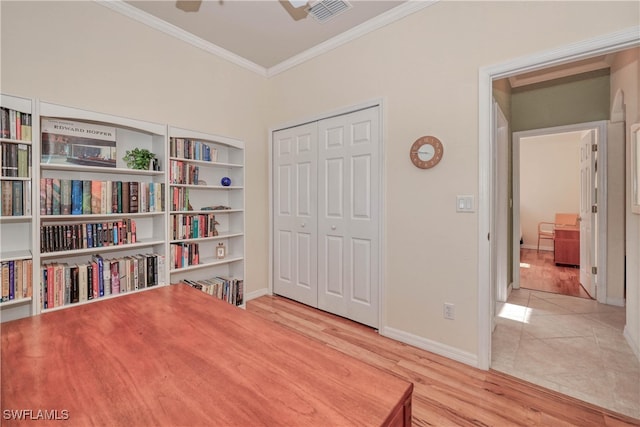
296	13
189	5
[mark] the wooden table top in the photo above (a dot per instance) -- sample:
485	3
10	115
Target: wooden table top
176	356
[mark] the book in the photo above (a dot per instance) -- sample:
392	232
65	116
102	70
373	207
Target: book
75	142
86	197
7	198
49	196
76	197
65	196
5	281
133	196
23	158
83	282
12	279
55	196
26	189
17	202
4	123
115	276
75	283
125	197
96	197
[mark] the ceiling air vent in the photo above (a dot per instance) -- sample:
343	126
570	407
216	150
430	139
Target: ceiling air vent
324	10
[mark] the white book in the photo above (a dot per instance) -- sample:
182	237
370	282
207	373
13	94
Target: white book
82	282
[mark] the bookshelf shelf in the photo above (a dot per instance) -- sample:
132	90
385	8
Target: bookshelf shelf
205	163
204	239
206	211
102	298
16	218
101	249
15	141
207	187
99	169
89	217
18	301
15	178
189	163
209	263
15	255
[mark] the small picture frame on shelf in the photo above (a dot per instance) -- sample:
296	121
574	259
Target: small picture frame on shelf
221	251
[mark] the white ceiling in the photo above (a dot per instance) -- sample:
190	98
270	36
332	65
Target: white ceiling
263	34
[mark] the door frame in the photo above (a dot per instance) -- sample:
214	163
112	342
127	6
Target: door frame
376	102
608	43
600	128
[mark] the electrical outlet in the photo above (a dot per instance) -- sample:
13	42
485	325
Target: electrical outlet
449	311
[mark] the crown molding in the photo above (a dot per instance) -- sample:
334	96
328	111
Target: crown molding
170	29
373	24
380	21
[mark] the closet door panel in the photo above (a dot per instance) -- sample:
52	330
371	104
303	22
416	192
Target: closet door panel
295	214
348	197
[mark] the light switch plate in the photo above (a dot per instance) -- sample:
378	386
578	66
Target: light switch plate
465	204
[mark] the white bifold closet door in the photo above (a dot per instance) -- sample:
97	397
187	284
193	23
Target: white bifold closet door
327	219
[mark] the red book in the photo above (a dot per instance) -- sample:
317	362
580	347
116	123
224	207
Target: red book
96	197
95	279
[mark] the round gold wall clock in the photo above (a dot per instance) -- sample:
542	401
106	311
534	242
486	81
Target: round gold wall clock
426	152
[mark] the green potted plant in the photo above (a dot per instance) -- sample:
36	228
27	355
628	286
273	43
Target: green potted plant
138	158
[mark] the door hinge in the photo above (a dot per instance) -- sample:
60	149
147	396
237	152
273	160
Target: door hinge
594	270
488	236
594	209
594	147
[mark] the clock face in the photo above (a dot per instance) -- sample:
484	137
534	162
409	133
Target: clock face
426	152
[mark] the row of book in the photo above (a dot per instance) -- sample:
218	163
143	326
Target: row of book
78	197
184	226
67	237
183	173
224	288
180	199
15	160
63	284
192	150
184	254
15	124
16	279
15	198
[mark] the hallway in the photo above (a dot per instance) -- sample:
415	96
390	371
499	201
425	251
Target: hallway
568	344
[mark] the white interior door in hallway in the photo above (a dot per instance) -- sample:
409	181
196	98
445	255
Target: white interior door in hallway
326	219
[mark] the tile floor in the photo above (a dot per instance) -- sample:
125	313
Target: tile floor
572	345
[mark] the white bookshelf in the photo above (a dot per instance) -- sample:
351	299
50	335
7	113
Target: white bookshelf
206	196
17	237
150	226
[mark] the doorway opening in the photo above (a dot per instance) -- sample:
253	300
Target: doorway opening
523	305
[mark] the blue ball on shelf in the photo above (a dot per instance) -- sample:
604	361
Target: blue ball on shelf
226	181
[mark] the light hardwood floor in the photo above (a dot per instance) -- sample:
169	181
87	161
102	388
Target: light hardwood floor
539	272
446	393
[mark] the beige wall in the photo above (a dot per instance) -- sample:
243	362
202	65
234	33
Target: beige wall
625	75
549	183
87	56
424	67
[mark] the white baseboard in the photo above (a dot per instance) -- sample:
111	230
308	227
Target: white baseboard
432	346
535	247
634	345
619	302
256	294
